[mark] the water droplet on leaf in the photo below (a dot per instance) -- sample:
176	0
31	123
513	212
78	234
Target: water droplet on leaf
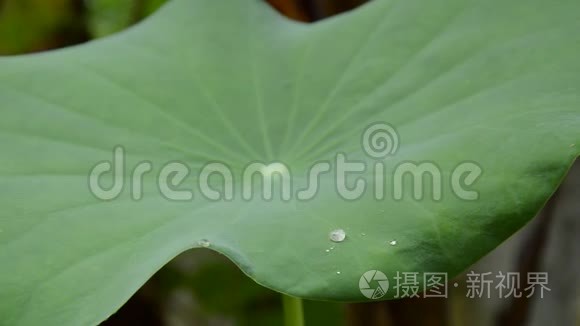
337	235
204	243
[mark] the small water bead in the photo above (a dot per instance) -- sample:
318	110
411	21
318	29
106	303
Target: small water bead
393	243
338	273
363	234
327	250
337	235
204	243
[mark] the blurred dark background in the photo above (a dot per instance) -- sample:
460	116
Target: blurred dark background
37	25
201	287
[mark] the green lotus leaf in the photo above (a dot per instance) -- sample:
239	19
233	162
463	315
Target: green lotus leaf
481	99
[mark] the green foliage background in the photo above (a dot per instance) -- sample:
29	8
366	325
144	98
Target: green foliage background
219	291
